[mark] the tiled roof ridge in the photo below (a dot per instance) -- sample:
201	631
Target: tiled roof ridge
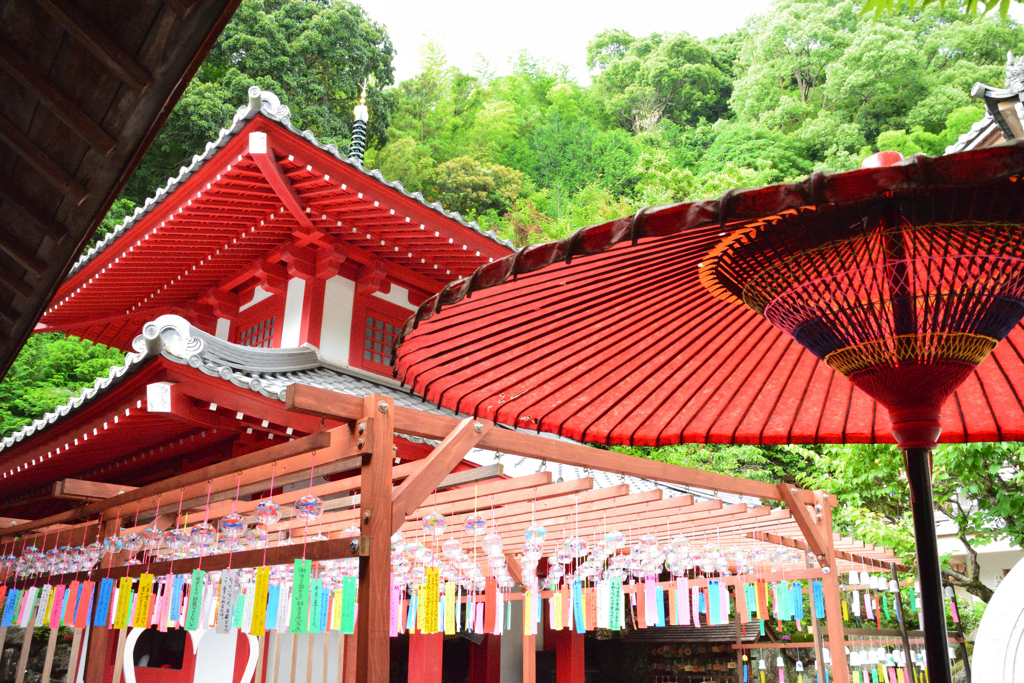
269	105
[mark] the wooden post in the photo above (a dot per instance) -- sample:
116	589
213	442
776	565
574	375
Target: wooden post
815	626
350	658
529	659
51	646
830	584
97	648
569	656
901	617
26	644
739	641
373	640
485	660
425	657
963	641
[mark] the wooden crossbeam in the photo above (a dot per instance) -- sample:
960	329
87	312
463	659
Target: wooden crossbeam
808	526
80	489
790	542
435	467
53	99
14	196
266	160
335	405
203	478
41	161
86	32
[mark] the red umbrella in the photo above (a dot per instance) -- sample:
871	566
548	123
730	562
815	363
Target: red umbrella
705	322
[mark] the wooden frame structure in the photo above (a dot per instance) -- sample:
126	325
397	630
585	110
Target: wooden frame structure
392	498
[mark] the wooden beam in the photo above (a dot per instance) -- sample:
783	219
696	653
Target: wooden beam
80	489
12	245
335	405
515	570
833	600
436	466
790	542
53	99
41	161
86	32
14	196
263	155
808	526
373	632
190	479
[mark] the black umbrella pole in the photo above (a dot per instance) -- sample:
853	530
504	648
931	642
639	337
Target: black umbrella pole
933	612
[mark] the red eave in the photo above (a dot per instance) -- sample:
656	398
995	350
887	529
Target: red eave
212	236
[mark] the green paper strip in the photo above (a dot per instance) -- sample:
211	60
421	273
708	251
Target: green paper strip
195	600
348	605
316	607
299	622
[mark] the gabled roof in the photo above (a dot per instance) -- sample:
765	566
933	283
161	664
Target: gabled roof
269	372
269	105
1004	111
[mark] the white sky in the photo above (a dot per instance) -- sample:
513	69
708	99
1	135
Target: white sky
556	29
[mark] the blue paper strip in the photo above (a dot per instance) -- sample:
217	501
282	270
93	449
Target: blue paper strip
410	622
179	582
714	609
12	599
660	593
797	593
103	602
273	601
577	607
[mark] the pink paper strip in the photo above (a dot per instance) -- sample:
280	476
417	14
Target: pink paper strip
683	590
695	604
58	602
479	627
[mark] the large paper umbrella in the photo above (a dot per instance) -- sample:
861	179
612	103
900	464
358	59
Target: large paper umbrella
866	306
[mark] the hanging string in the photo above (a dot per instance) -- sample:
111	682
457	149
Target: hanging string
305	531
206	520
42	550
117	530
234	507
149	551
270	496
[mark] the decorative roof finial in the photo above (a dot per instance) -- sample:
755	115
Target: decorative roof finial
358	145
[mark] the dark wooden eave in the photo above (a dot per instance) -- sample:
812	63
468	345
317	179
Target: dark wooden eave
84	88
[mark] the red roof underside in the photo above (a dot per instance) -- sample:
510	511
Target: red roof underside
626	346
212	230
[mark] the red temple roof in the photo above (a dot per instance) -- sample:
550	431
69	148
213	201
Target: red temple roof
237	217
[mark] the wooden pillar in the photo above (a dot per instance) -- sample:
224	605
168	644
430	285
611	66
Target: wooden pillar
739	641
97	647
830	584
485	660
425	657
815	626
26	644
350	659
529	659
569	656
373	640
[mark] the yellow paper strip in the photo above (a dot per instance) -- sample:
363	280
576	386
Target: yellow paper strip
142	602
449	608
259	605
528	613
124	602
556	600
337	611
433	590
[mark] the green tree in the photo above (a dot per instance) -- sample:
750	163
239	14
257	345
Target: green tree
470	187
314	55
672	76
48	370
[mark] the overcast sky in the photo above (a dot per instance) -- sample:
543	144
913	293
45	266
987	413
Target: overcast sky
556	29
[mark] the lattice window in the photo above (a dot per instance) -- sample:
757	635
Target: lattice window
378	341
260	335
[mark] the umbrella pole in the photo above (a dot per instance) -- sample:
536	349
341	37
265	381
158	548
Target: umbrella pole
933	613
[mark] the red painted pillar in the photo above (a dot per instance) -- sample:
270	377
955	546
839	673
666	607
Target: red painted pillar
312	312
569	656
425	657
485	660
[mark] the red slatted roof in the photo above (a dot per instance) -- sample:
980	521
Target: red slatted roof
211	233
624	345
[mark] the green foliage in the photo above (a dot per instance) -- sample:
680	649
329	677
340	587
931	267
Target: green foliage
50	369
314	55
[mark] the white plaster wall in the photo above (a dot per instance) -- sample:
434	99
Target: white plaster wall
291	326
399	296
339	298
215	659
258	295
223	328
999	648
